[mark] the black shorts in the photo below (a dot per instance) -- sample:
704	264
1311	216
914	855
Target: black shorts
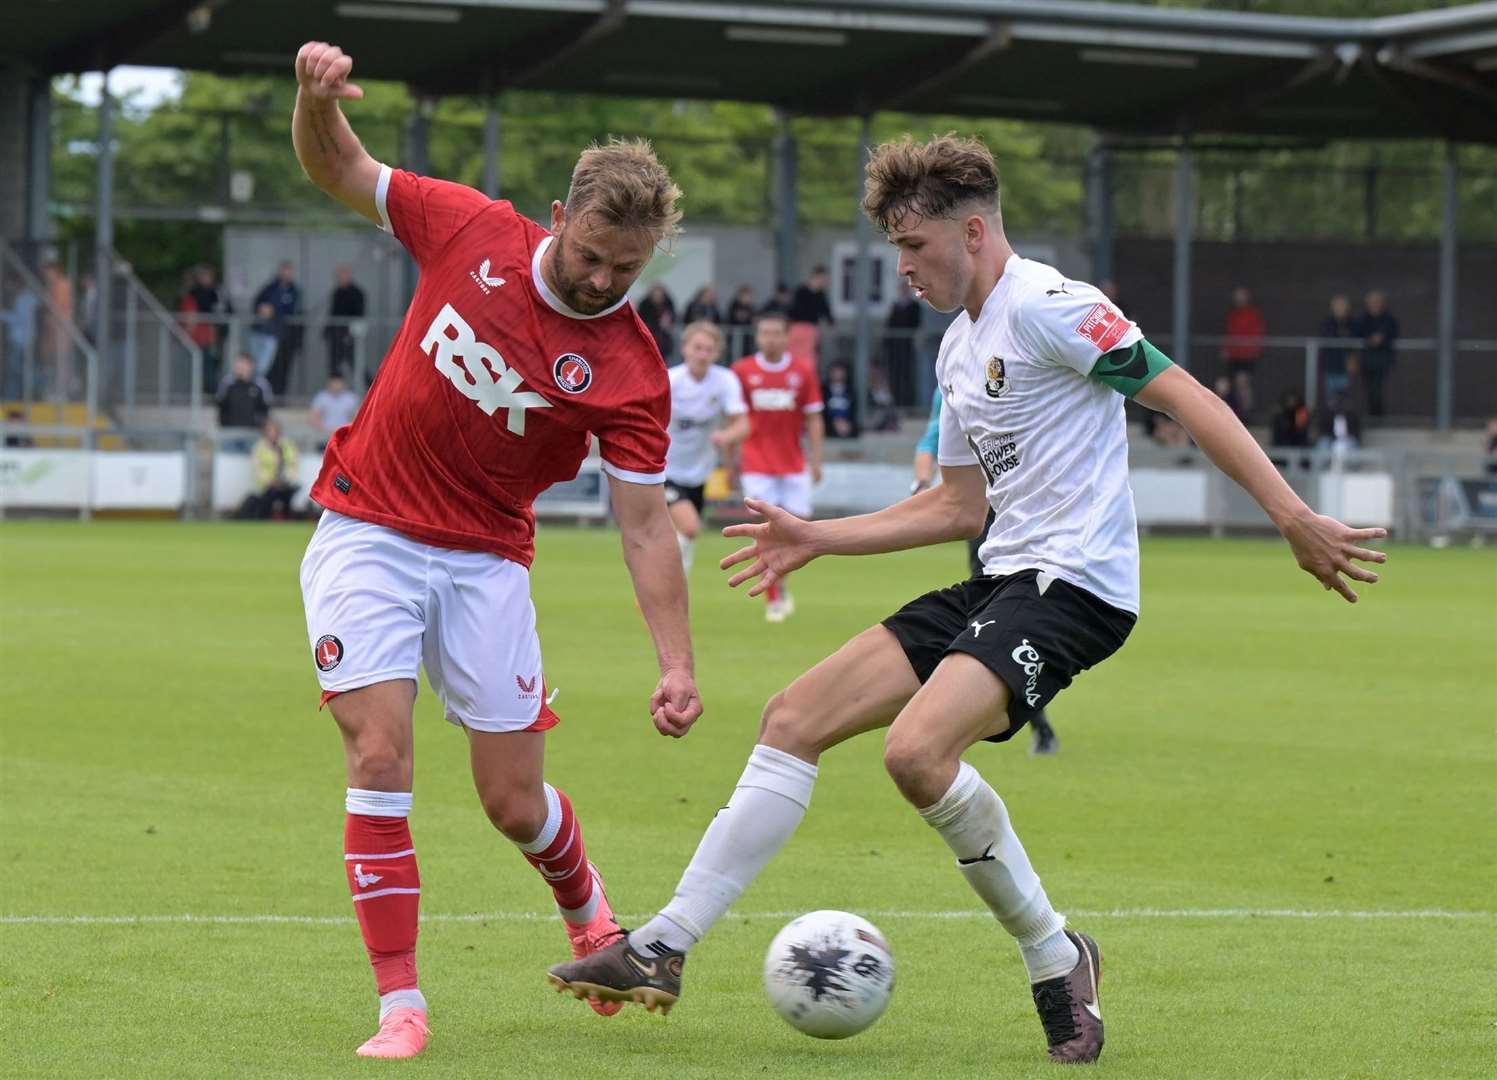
1036	642
675	492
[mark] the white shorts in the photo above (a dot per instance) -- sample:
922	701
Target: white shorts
791	491
380	606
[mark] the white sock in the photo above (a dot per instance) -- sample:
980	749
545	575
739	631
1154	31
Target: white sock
401	999
973	821
686	544
771	798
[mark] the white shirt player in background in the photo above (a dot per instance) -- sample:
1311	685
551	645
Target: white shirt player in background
703	395
1033	371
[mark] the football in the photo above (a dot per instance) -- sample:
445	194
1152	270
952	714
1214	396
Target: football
829	974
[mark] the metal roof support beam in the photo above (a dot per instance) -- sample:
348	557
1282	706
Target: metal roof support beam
1099	210
38	160
862	279
786	203
559	49
1445	370
1184	229
948	72
104	214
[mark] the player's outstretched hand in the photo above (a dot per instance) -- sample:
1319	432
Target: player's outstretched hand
778	544
1325	549
322	72
675	705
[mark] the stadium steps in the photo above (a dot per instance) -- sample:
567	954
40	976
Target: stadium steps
69	414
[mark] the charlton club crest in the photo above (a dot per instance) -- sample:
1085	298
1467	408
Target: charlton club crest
328	652
572	373
997	384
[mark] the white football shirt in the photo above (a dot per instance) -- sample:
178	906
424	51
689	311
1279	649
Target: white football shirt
1052	442
697	409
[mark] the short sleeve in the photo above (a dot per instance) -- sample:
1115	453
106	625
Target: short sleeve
952	447
424	213
810	391
634	440
733	403
1072	326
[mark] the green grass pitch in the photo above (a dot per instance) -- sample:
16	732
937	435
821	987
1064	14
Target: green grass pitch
1273	810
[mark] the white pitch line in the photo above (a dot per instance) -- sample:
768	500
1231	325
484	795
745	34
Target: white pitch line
536	916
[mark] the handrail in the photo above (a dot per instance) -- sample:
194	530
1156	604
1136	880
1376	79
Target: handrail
8	257
137	290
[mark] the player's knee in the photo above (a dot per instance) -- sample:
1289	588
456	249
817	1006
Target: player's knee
784	727
519	815
911	764
378	764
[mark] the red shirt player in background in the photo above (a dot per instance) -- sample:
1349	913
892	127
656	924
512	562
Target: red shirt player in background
517	349
784	397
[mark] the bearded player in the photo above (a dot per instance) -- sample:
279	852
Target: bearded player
1034	370
517	349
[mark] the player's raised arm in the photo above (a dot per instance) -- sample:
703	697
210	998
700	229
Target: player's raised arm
1323	546
330	153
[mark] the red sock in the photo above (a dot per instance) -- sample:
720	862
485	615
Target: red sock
563	861
772	594
386	891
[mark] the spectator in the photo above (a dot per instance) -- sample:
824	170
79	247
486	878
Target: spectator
658	312
808	310
211	327
841	411
885	415
262	340
741	310
57	344
1222	387
283	295
1492	446
1334	362
1337	426
703	307
16	414
1243	348
741	321
1164	430
902	325
244	398
1379	331
274	459
345	305
88	305
1291	424
1109	289
333	406
778	302
19	338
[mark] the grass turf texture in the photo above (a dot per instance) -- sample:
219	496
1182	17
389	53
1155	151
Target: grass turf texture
1257	745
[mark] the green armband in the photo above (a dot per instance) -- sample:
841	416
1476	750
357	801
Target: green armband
1130	370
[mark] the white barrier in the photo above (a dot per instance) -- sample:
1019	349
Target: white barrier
33	478
234	479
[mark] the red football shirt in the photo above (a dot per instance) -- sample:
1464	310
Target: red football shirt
492	388
778	395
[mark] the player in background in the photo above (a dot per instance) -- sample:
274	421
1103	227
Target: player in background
518	348
784	399
703	395
1044	742
1034	370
